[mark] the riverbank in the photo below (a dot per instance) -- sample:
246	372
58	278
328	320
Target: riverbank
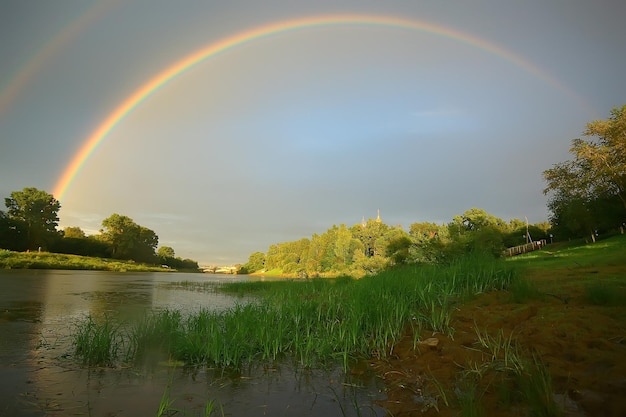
552	344
47	260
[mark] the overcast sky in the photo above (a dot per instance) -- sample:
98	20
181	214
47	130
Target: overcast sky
284	136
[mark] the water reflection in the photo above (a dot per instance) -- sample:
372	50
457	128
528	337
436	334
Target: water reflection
38	310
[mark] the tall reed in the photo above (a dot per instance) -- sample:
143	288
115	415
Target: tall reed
97	342
315	321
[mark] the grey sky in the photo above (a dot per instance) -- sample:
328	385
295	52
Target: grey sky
285	136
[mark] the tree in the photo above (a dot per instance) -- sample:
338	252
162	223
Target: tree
38	212
12	233
598	170
476	231
398	249
474	219
256	262
129	240
343	240
145	250
73	232
166	252
427	242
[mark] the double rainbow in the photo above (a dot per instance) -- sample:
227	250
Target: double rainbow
248	36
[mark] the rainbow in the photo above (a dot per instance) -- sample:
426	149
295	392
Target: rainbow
54	46
265	31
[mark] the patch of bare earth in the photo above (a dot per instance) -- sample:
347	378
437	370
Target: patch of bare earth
582	345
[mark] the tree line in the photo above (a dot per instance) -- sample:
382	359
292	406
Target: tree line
31	224
586	197
371	246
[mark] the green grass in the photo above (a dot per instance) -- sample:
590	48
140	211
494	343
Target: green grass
606	293
518	377
47	260
605	252
314	321
522	290
536	387
97	343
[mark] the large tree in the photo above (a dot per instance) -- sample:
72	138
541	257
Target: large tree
166	252
129	240
37	211
597	172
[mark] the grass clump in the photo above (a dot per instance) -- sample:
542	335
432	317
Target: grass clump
97	343
517	377
536	387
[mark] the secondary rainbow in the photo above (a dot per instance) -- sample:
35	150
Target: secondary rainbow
24	74
178	68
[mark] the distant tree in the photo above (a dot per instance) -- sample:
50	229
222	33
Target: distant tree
427	242
343	246
476	231
73	232
38	212
85	246
398	249
368	233
474	219
145	250
12	233
166	252
256	262
129	240
313	264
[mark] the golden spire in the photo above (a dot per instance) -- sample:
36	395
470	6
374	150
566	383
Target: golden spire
378	217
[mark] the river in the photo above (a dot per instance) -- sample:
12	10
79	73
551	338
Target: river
39	311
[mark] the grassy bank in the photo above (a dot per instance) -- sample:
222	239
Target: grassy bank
552	344
313	322
47	260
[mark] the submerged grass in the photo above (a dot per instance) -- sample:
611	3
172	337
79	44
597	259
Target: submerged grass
518	378
312	321
97	343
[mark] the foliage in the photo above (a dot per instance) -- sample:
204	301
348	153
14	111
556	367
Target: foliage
585	191
256	262
85	246
129	240
166	252
74	233
372	246
167	257
13	233
37	212
180	263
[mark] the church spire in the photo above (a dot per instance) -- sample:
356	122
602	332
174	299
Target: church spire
378	220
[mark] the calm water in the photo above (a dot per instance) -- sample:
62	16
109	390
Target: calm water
38	376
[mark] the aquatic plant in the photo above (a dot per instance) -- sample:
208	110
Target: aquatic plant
314	321
97	342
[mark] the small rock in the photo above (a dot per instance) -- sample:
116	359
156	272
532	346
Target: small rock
431	341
